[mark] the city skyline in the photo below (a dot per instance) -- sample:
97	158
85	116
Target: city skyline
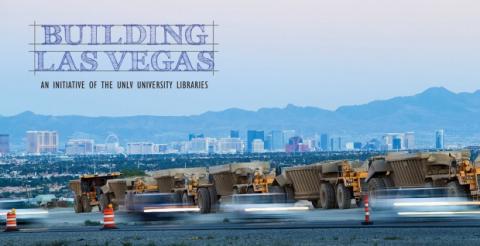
254	141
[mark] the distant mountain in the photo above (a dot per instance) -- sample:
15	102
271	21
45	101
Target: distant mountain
458	113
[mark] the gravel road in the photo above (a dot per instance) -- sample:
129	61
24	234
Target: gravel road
358	236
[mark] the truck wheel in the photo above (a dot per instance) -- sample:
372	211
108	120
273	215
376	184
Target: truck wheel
374	186
203	200
87	208
77	204
454	189
212	193
327	196
344	196
388	182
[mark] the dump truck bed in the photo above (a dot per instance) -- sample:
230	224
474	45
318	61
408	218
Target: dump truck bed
224	175
305	180
410	170
236	167
166	178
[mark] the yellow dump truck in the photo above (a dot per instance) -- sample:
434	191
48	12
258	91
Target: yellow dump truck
245	183
242	178
92	190
173	188
330	184
452	170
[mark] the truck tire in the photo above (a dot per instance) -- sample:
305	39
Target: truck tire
212	192
454	189
77	204
87	208
388	182
344	196
327	196
203	198
374	186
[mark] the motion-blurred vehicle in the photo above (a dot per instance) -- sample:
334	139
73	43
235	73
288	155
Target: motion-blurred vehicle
329	184
422	202
241	182
173	190
94	190
452	170
25	211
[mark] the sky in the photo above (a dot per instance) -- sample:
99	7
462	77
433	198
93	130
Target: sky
271	53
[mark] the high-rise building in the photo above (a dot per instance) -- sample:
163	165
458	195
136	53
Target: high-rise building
268	142
79	147
402	141
324	142
234	134
258	146
294	144
409	140
440	139
140	148
193	135
4	143
339	144
229	146
397	143
286	135
198	146
160	148
277	141
252	135
40	142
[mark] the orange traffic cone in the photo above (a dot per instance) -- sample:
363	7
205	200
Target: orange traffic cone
108	218
11	221
367	211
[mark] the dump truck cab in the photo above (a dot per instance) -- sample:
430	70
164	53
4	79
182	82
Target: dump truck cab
88	191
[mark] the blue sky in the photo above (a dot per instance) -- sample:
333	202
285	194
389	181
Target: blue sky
312	53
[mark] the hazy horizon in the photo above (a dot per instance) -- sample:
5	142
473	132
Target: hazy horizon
253	110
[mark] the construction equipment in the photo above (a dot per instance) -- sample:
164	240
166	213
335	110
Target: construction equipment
246	183
242	178
329	184
180	187
452	170
192	185
90	191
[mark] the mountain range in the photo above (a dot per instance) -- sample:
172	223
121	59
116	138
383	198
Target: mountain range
423	113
